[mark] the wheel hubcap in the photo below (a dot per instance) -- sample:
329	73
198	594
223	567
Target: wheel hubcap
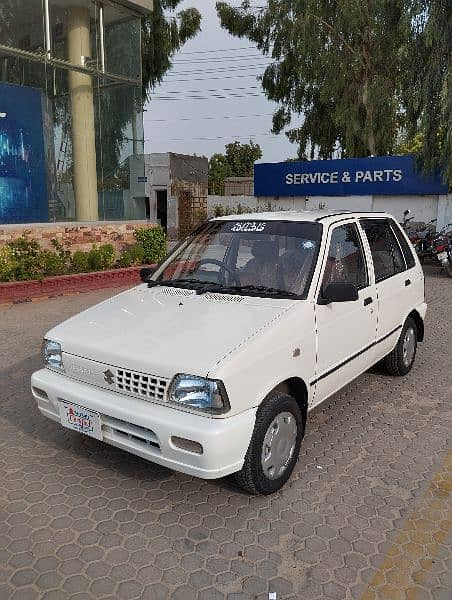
279	445
409	346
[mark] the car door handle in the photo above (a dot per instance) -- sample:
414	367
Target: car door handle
368	301
407	282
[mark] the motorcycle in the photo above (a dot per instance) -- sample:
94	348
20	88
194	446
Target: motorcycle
442	249
420	236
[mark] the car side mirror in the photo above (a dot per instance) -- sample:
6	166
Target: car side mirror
339	292
145	273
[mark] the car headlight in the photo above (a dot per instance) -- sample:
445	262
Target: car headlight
52	354
199	393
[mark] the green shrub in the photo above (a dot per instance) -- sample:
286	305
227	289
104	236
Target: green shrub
80	262
134	255
101	258
107	254
153	242
218	210
95	259
6	264
53	263
125	259
138	254
26	259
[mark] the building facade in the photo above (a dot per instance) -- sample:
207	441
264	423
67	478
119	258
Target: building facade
71	127
176	190
387	183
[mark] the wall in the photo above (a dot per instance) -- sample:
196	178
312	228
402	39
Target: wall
194	169
230	202
237	186
363	203
79	236
423	208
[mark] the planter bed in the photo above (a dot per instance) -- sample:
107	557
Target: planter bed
25	291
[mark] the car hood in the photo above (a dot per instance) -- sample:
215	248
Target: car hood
165	330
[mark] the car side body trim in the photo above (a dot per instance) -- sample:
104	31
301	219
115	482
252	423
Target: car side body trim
345	362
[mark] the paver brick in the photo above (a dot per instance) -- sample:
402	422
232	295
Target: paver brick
80	519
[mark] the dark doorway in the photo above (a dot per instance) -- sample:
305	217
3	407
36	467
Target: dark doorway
162	208
147	207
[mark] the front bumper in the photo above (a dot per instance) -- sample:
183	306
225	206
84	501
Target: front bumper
145	429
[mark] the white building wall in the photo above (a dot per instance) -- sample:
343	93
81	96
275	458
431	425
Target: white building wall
363	203
423	208
444	211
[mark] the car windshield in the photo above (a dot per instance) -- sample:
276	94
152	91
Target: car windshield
261	258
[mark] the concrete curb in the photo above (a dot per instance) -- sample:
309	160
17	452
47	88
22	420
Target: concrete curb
27	291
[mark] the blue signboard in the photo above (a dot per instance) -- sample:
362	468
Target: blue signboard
23	173
388	175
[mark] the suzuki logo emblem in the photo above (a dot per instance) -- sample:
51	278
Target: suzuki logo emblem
109	377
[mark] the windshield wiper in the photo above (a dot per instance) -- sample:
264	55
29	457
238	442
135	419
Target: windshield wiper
254	290
203	287
266	290
187	283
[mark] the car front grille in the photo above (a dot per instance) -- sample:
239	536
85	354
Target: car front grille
148	387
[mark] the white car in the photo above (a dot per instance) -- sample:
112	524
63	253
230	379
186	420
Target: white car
211	366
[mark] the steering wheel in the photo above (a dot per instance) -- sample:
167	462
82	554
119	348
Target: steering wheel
223	267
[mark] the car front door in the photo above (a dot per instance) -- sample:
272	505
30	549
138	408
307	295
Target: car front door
346	331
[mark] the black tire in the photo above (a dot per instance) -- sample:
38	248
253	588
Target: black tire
252	477
394	362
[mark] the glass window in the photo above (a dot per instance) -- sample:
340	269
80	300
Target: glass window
257	257
118	124
82	48
119	152
122	40
22	25
386	254
345	261
405	245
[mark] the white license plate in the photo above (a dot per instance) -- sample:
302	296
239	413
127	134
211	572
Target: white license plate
81	419
442	256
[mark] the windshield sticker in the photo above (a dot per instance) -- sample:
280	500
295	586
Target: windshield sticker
249	226
307	244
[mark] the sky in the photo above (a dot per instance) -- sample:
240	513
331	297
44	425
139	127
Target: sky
187	116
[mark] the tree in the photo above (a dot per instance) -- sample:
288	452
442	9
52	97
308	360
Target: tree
238	161
163	34
427	86
335	63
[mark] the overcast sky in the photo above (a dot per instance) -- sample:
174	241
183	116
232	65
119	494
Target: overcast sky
186	106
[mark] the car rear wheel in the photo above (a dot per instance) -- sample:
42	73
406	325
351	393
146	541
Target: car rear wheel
274	447
401	359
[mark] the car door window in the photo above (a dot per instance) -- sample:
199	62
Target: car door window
386	254
406	247
345	262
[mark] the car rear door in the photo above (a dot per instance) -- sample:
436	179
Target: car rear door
395	282
345	331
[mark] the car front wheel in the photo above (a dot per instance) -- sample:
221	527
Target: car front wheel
274	446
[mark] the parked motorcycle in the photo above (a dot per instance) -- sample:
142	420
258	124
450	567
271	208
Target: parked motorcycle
406	219
430	244
442	248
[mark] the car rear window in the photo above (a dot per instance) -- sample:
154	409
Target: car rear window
386	254
405	245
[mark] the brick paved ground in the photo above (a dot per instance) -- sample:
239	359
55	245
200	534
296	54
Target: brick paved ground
364	514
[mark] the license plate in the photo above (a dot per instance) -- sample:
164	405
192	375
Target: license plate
442	256
81	419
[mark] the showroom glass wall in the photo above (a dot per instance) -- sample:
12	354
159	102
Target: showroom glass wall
85	58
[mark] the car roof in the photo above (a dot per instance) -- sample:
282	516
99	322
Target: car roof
323	216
